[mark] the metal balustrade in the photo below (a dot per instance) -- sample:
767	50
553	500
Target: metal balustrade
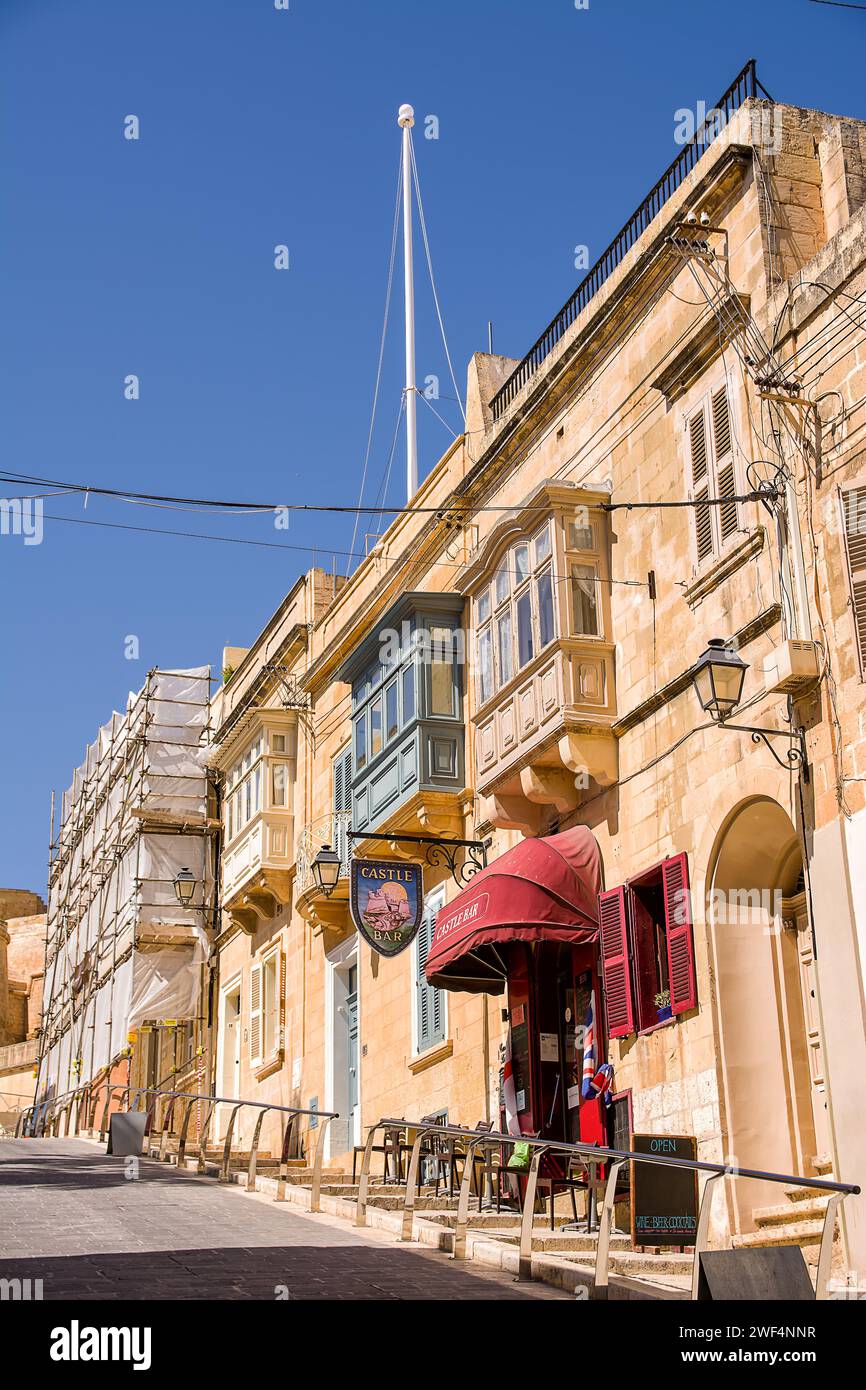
591	1156
327	830
58	1109
744	86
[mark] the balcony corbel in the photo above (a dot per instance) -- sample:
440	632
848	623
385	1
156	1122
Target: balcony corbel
262	903
549	786
512	813
244	918
591	753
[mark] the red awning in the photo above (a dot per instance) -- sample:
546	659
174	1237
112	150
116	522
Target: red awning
541	890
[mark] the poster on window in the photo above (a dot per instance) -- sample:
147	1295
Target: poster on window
387	900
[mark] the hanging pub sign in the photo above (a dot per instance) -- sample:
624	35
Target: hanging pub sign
387	900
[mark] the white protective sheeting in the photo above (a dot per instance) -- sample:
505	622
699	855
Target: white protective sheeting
161	857
166	982
113	878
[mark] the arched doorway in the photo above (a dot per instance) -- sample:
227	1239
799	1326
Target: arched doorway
774	1116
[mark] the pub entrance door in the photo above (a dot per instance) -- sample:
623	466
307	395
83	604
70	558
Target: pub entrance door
550	986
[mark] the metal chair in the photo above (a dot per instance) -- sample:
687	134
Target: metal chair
391	1148
482	1159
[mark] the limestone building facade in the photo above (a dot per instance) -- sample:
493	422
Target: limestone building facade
680	458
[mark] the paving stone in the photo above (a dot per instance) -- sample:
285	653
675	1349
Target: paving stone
70	1217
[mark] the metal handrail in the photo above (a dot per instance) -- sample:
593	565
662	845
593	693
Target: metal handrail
294	1112
590	1155
59	1108
744	86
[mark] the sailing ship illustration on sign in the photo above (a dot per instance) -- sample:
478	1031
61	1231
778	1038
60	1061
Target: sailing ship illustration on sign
386	902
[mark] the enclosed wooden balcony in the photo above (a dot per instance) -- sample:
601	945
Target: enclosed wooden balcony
543	694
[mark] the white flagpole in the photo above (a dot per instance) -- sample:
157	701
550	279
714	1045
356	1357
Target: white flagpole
406	119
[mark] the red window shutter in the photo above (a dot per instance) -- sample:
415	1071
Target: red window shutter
616	972
678	927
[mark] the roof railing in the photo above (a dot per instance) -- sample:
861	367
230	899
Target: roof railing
591	1156
744	86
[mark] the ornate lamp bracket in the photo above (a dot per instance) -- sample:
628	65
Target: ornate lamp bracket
440	852
795	755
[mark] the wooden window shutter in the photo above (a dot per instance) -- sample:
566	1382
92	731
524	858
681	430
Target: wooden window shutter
723	454
343	782
255	1014
854	516
281	1005
700	466
431	1011
680	940
342	801
615	964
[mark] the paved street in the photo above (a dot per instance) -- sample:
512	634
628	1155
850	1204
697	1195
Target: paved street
70	1217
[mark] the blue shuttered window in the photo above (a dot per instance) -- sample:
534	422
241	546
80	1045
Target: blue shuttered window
430	1002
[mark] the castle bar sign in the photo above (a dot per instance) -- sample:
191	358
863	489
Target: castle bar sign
387	900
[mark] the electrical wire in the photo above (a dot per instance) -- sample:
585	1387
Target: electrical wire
448	505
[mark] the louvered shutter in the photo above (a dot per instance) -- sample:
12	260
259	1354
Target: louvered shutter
615	964
723	454
854	515
700	466
680	940
281	1003
342	800
431	1009
255	1015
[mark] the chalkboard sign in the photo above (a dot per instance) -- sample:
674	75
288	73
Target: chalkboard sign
664	1199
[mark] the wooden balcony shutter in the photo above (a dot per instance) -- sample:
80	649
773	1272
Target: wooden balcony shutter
854	515
678	929
615	964
723	454
701	483
255	1014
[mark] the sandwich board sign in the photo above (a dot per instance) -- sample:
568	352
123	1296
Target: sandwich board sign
664	1199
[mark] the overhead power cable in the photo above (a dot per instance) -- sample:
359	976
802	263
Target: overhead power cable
311	549
449	505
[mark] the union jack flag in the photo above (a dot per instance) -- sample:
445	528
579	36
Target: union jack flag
589	1056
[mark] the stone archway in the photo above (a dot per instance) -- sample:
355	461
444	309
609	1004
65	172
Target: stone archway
757	916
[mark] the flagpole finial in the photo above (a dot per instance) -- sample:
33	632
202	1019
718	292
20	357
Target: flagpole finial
406	115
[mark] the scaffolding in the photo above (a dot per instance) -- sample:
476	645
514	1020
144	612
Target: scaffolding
123	952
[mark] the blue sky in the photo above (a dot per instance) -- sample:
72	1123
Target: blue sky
155	257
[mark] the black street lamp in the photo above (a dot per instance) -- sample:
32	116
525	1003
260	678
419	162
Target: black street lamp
184	886
326	869
718	676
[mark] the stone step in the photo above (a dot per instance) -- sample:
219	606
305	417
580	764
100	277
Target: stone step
811	1208
806	1234
422	1204
577	1241
822	1164
302	1177
480	1220
638	1265
803	1194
